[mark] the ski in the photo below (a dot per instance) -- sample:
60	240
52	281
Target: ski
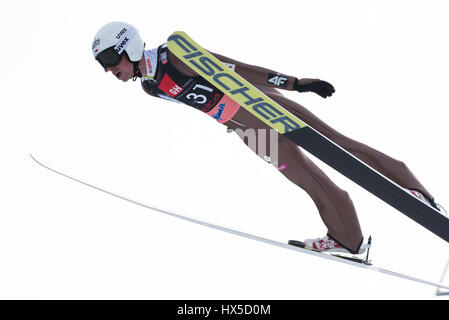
250	236
274	115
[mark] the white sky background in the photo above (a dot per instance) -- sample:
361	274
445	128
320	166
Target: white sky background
61	240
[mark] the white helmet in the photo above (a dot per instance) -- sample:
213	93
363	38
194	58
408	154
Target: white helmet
115	38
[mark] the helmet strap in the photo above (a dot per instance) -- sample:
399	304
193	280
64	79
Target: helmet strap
137	73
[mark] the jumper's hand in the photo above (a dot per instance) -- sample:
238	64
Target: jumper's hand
320	87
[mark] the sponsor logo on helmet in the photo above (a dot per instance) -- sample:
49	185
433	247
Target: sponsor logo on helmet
120	34
119	48
95	44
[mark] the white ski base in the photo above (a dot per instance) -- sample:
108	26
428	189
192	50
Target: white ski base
257	238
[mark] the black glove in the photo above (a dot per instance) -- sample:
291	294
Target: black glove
320	87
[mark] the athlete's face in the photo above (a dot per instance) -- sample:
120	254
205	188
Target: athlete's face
124	70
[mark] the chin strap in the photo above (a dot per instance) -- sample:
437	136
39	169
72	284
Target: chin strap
137	73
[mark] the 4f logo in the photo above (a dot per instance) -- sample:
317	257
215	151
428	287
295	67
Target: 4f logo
277	80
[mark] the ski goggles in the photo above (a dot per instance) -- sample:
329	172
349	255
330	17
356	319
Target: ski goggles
109	58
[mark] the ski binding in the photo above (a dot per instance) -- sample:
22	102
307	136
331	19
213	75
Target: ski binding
354	258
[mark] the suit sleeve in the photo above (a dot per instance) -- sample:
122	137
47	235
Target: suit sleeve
258	75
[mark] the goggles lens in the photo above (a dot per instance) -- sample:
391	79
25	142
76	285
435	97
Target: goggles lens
108	58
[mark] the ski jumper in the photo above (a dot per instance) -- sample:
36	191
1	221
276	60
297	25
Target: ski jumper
169	78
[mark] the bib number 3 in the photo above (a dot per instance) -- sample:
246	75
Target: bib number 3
198	98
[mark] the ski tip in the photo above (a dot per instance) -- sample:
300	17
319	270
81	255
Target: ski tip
33	158
38	162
